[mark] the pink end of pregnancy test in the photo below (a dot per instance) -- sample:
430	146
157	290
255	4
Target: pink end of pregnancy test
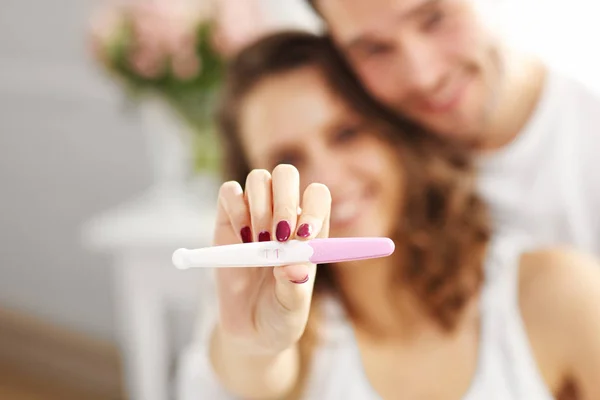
273	254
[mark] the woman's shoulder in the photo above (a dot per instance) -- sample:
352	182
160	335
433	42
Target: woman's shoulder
559	281
559	299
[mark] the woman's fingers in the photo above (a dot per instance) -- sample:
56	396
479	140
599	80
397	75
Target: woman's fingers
270	207
295	282
260	203
313	222
231	199
316	207
290	291
296	273
233	284
286	199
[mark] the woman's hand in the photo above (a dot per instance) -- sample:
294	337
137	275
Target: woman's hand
264	310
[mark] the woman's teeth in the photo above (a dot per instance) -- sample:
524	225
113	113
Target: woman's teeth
344	212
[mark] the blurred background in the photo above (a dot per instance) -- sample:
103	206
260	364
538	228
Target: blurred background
106	168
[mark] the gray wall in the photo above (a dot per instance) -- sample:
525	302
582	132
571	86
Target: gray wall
68	150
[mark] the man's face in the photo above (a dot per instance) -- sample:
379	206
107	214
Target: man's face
432	60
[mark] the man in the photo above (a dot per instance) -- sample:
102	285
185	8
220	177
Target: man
536	133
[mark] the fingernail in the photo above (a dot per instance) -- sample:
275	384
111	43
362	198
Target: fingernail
302	281
304	231
246	234
264	236
282	233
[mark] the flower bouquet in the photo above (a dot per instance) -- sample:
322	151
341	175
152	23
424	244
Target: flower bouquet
167	50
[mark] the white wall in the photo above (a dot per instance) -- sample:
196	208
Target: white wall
67	151
291	14
563	33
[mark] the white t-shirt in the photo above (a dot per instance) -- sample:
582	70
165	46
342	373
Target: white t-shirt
546	183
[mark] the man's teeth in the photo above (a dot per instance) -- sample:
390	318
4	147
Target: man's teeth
444	98
447	94
343	212
440	101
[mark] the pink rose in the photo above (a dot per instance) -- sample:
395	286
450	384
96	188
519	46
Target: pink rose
164	34
240	22
104	27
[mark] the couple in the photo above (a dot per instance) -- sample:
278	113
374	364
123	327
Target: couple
457	312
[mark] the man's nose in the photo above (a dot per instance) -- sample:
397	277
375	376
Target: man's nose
422	67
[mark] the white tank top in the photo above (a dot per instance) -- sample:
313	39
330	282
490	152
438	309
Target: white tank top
506	369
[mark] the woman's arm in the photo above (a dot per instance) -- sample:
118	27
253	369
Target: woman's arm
250	374
560	303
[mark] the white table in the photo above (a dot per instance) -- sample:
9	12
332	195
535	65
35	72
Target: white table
141	236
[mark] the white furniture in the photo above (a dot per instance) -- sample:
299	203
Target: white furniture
155	303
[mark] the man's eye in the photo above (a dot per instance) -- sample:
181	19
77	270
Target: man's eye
346	134
433	19
376	50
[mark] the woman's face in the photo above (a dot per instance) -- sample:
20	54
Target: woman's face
294	118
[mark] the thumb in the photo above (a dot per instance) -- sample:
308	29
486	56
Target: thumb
293	285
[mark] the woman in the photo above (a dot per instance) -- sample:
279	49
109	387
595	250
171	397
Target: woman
452	315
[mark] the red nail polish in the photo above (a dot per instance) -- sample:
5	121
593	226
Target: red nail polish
246	234
283	231
264	236
304	231
302	281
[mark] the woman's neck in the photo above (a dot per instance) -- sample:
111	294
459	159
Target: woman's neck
382	307
376	301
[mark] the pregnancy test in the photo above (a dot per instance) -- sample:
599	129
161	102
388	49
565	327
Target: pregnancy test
274	254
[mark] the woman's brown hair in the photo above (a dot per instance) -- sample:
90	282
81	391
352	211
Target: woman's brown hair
444	229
